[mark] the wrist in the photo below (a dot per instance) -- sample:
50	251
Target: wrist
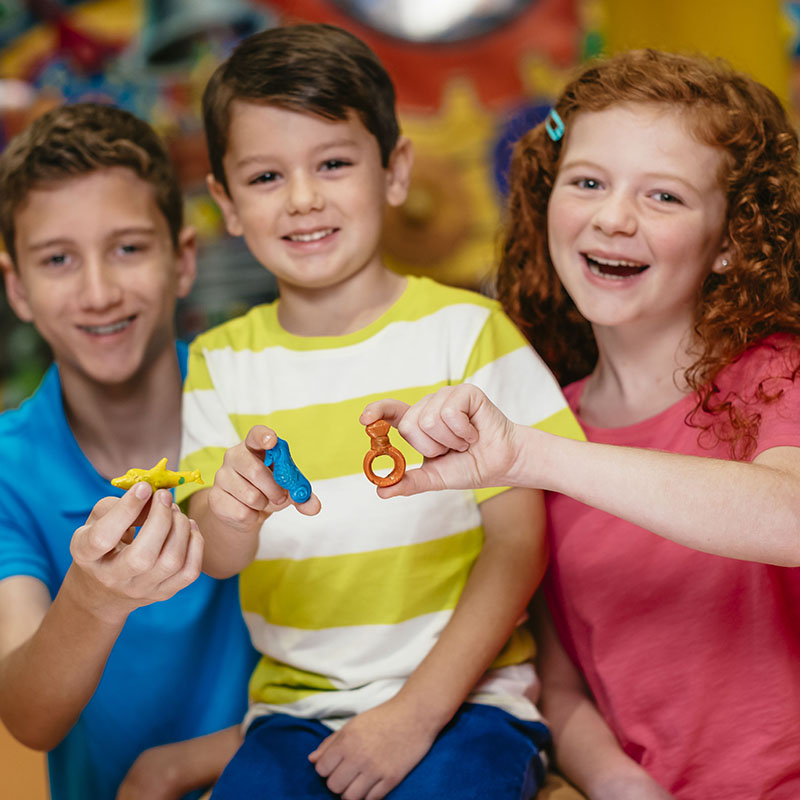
541	459
426	713
528	448
628	782
84	595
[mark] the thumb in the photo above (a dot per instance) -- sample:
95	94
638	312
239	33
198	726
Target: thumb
109	521
415	481
260	438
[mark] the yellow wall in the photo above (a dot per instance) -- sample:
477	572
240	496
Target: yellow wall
752	35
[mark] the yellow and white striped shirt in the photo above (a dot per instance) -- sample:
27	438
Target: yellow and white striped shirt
344	605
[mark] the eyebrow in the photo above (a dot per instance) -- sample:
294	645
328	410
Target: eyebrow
135	230
260	158
584	164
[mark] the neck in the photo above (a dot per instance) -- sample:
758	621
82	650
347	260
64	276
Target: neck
636	376
127	425
342	309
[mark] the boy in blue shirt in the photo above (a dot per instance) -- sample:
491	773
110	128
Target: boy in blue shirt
114	654
394	659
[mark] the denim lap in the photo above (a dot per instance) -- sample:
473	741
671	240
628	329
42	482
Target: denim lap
483	752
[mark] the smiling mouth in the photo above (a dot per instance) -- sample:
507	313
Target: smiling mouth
315	236
613	268
104	330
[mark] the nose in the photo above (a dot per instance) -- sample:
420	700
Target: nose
100	287
304	194
615	214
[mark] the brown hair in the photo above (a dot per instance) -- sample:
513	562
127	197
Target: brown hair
73	140
756	295
312	68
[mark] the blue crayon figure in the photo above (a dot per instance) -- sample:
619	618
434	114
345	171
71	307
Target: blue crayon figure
286	473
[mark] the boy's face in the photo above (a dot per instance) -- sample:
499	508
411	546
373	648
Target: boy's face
97	273
308	194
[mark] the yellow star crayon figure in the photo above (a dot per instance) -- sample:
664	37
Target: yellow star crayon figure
159	477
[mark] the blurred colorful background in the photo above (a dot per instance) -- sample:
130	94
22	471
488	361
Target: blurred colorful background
471	76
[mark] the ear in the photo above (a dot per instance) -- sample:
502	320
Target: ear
226	205
16	292
398	173
186	260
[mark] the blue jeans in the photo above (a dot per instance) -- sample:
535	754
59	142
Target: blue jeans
483	753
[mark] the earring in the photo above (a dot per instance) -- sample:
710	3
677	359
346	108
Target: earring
724	263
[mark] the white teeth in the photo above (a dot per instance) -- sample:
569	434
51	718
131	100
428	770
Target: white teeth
607	275
310	237
101	330
611	262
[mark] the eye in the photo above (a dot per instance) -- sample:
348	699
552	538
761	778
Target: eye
130	249
587	183
56	260
265	177
666	197
333	164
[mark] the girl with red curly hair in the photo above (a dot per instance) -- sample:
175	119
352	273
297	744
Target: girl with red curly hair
651	257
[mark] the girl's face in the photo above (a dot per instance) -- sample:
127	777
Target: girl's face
636	217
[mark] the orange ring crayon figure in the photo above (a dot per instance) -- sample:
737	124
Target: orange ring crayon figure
378	432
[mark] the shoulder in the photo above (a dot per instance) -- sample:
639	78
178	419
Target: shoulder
28	422
450	311
767	366
439	294
236	332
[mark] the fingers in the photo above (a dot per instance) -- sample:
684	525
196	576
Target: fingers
439	423
310	507
166	554
191	562
363	787
110	520
247	480
390	410
260	438
141	555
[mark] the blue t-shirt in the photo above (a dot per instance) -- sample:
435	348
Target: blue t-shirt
179	668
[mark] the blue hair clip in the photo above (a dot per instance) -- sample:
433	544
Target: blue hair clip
554	125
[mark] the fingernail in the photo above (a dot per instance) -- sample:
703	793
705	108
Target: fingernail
194	526
142	490
165	498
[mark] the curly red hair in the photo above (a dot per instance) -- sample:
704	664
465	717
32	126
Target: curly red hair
756	296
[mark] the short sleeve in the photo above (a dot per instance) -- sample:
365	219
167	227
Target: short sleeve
513	376
775	387
207	431
21	551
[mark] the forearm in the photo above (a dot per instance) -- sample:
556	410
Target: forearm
749	511
587	751
47	680
228	550
494	599
182	767
204	758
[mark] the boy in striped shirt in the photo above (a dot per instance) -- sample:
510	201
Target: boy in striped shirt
393	654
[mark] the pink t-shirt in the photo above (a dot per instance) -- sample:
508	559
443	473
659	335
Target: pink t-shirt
693	659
